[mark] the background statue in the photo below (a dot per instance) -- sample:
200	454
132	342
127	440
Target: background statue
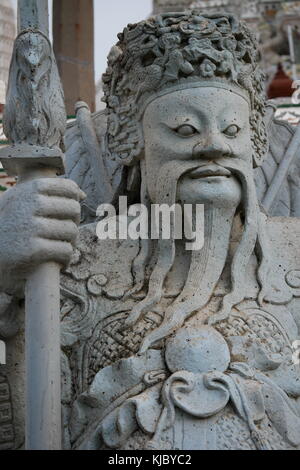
164	348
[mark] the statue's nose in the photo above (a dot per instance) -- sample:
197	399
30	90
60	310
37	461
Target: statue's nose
211	149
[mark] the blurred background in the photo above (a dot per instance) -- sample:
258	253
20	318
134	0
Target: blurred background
83	32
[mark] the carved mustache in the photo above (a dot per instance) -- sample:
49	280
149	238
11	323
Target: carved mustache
212	169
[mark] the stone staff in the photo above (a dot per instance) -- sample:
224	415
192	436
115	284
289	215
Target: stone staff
35	122
280	176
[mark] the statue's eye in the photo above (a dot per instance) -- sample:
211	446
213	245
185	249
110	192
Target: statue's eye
232	130
186	130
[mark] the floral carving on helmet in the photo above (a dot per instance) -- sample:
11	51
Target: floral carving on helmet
229	43
198	24
207	68
170	40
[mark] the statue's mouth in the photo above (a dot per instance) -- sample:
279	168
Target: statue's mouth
208	171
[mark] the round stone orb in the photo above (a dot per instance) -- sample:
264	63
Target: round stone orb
197	350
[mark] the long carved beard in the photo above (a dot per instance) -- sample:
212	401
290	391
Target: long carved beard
208	263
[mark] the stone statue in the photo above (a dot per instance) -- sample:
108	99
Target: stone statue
164	348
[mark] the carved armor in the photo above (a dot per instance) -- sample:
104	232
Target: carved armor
258	362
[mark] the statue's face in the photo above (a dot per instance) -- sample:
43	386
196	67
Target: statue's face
206	125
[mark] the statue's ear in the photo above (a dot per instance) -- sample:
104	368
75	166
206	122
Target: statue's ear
268	120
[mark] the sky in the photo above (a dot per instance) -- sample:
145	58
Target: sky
111	16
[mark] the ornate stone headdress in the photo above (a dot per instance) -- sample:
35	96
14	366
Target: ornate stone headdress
174	51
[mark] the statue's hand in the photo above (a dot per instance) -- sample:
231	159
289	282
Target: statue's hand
38	223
